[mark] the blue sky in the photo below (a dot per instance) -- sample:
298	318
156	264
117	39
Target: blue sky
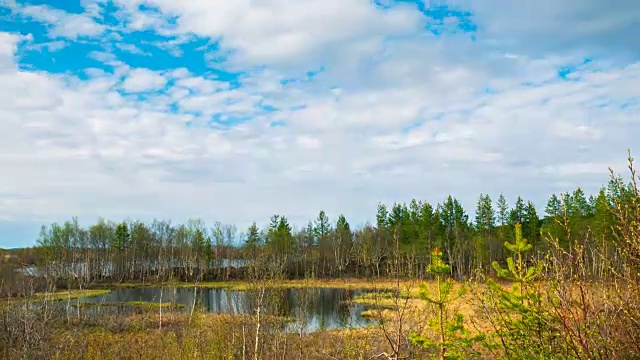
235	110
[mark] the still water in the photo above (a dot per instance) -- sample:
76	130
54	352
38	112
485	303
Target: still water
310	308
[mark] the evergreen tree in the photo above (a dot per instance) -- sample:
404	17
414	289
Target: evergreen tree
603	221
531	223
519	309
579	204
516	215
503	210
485	221
485	215
554	207
282	239
453	340
428	227
323	227
455	223
253	237
311	235
122	236
517	269
382	217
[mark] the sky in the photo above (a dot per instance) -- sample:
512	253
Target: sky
233	111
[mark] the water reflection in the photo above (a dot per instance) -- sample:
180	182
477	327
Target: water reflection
310	308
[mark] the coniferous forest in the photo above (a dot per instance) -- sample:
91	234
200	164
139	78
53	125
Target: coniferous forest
433	281
403	234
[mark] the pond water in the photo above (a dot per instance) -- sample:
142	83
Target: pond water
311	308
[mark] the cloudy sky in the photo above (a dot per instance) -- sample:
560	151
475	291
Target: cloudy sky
235	110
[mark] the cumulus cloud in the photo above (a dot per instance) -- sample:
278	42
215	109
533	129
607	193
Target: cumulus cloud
143	80
8	45
281	32
332	105
62	24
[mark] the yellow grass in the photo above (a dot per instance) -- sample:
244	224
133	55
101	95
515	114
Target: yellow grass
70	294
374	284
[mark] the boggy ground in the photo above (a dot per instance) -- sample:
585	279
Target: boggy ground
182	335
213	336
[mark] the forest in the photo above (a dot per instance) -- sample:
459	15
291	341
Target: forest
404	233
436	281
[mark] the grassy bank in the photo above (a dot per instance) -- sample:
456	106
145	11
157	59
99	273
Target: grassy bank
64	295
350	283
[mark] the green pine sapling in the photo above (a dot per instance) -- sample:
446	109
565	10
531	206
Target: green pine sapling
517	270
522	322
453	340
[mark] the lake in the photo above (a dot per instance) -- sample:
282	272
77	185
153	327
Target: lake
312	308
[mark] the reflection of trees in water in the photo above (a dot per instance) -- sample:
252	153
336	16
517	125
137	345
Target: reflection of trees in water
309	308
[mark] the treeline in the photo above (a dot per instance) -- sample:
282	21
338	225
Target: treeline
400	241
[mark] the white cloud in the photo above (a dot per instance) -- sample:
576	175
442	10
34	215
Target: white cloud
51	46
202	85
62	24
8	46
143	80
537	27
307	142
281	32
578	131
130	48
393	113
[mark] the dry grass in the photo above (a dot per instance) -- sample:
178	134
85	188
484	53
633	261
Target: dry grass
65	295
354	283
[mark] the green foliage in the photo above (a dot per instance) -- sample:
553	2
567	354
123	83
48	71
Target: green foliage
485	215
516	215
279	236
122	236
516	265
253	239
452	340
503	210
518	311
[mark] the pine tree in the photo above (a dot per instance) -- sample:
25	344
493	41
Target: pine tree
453	340
554	206
323	227
311	236
485	215
519	311
382	217
503	210
253	237
603	217
122	237
485	221
516	215
580	205
517	269
531	223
